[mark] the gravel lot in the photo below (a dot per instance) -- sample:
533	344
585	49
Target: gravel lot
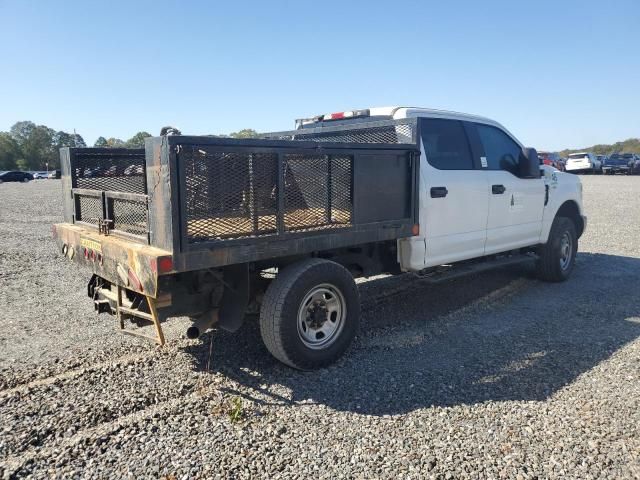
492	376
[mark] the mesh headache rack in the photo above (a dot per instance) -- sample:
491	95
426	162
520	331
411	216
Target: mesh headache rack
403	131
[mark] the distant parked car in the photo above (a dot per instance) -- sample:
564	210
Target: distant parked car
601	159
15	176
39	175
633	162
616	163
550	158
562	164
583	162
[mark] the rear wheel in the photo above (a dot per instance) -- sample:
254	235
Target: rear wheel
558	255
310	314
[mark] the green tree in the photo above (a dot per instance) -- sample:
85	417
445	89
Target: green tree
38	148
22	164
30	146
21	131
630	145
63	139
101	142
137	141
244	133
115	143
9	151
78	141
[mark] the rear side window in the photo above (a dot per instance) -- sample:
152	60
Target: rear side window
446	145
501	151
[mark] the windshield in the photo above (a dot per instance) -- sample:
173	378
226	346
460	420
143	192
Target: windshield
576	156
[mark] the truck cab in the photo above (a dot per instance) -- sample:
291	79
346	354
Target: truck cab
475	199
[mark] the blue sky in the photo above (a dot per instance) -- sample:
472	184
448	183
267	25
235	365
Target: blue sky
556	73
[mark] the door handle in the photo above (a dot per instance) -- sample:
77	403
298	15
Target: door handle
498	189
439	192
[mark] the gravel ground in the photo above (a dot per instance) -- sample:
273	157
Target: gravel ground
491	376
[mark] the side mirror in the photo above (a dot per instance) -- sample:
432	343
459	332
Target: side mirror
529	163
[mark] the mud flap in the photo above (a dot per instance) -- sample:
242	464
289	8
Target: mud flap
235	297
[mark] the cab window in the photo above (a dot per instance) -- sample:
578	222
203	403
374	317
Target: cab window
445	143
501	151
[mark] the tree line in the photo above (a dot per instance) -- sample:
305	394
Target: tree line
27	146
631	145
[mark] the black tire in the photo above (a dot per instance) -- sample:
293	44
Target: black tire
552	266
282	308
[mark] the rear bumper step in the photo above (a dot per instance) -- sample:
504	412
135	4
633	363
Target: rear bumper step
116	303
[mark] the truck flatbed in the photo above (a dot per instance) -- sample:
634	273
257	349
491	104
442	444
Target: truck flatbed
214	201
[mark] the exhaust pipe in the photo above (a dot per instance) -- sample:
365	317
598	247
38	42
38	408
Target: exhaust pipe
202	323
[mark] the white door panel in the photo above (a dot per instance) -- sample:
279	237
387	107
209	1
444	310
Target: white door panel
515	216
515	204
455	225
454	248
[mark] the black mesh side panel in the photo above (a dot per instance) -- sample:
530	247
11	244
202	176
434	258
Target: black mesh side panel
117	172
89	209
234	195
229	195
317	192
129	216
306	191
341	190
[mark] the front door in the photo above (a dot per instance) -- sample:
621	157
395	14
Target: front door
515	204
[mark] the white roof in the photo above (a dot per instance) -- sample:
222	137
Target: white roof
397	112
406	112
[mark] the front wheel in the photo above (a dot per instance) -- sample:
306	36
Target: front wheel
557	257
310	314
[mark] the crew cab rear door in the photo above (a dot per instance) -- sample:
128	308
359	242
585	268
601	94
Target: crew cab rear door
516	204
453	202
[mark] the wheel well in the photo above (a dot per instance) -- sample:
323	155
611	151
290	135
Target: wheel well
570	210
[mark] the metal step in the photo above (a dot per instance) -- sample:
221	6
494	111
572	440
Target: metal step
450	272
136	313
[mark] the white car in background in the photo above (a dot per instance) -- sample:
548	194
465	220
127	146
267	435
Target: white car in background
583	162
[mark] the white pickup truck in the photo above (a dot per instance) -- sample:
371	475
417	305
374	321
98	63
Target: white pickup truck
211	228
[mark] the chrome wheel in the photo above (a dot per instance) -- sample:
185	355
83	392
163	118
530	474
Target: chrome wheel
566	251
321	316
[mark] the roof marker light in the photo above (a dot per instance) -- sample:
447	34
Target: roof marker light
332	116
